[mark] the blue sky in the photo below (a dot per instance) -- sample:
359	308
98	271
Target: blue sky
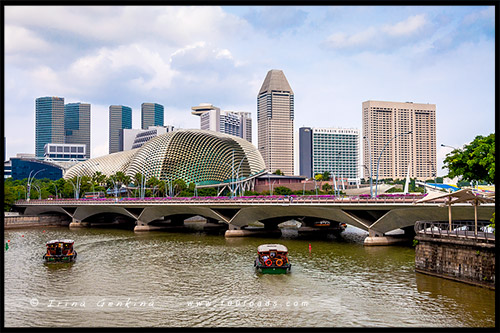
334	57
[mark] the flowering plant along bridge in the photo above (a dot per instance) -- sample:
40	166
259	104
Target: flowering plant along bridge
377	216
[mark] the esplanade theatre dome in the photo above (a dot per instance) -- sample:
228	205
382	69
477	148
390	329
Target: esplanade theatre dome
195	156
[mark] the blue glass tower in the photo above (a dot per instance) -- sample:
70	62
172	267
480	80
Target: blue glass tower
77	124
120	117
49	127
151	115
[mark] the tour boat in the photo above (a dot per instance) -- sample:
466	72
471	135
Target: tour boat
60	251
272	259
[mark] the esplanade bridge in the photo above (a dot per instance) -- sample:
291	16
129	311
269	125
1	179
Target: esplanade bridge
378	216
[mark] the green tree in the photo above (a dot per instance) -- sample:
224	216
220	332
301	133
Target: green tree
326	175
278	172
476	161
179	186
318	177
282	190
327	187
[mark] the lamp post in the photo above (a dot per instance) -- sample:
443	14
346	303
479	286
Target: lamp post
434	171
114	185
378	161
443	145
30	180
76	187
93	188
39	191
371	178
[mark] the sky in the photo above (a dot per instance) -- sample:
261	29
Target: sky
334	57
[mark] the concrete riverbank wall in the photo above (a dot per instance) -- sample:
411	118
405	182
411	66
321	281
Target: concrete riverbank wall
465	260
25	221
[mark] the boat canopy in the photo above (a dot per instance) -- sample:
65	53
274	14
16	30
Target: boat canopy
272	247
60	241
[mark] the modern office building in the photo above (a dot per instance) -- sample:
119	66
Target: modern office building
212	118
65	152
77	125
21	168
408	133
335	150
153	131
151	115
120	117
49	127
135	138
275	114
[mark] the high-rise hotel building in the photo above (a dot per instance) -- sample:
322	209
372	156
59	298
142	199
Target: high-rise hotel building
120	117
212	118
386	123
151	115
49	127
335	150
77	125
275	113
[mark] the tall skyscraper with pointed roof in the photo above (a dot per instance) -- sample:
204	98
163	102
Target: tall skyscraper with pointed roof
275	113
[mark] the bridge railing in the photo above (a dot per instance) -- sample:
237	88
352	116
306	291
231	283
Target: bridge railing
276	199
458	230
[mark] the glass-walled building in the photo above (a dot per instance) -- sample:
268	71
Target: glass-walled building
77	125
120	117
151	115
335	150
49	127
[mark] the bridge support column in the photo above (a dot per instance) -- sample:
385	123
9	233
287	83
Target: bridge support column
234	231
141	226
376	238
214	225
79	224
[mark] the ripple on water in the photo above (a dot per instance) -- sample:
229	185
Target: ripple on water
343	283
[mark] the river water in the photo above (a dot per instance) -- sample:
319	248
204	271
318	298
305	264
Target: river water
128	279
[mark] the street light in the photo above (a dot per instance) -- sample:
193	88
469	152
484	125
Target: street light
77	187
114	185
434	171
39	191
443	145
30	180
378	161
371	178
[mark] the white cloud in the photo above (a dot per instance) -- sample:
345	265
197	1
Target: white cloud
406	27
20	39
383	37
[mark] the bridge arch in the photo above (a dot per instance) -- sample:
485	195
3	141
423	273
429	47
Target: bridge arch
248	215
152	213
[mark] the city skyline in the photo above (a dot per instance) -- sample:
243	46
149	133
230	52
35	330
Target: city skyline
334	57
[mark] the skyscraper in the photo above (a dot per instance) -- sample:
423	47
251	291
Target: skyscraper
335	150
388	123
212	118
120	117
49	127
151	115
275	112
77	124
